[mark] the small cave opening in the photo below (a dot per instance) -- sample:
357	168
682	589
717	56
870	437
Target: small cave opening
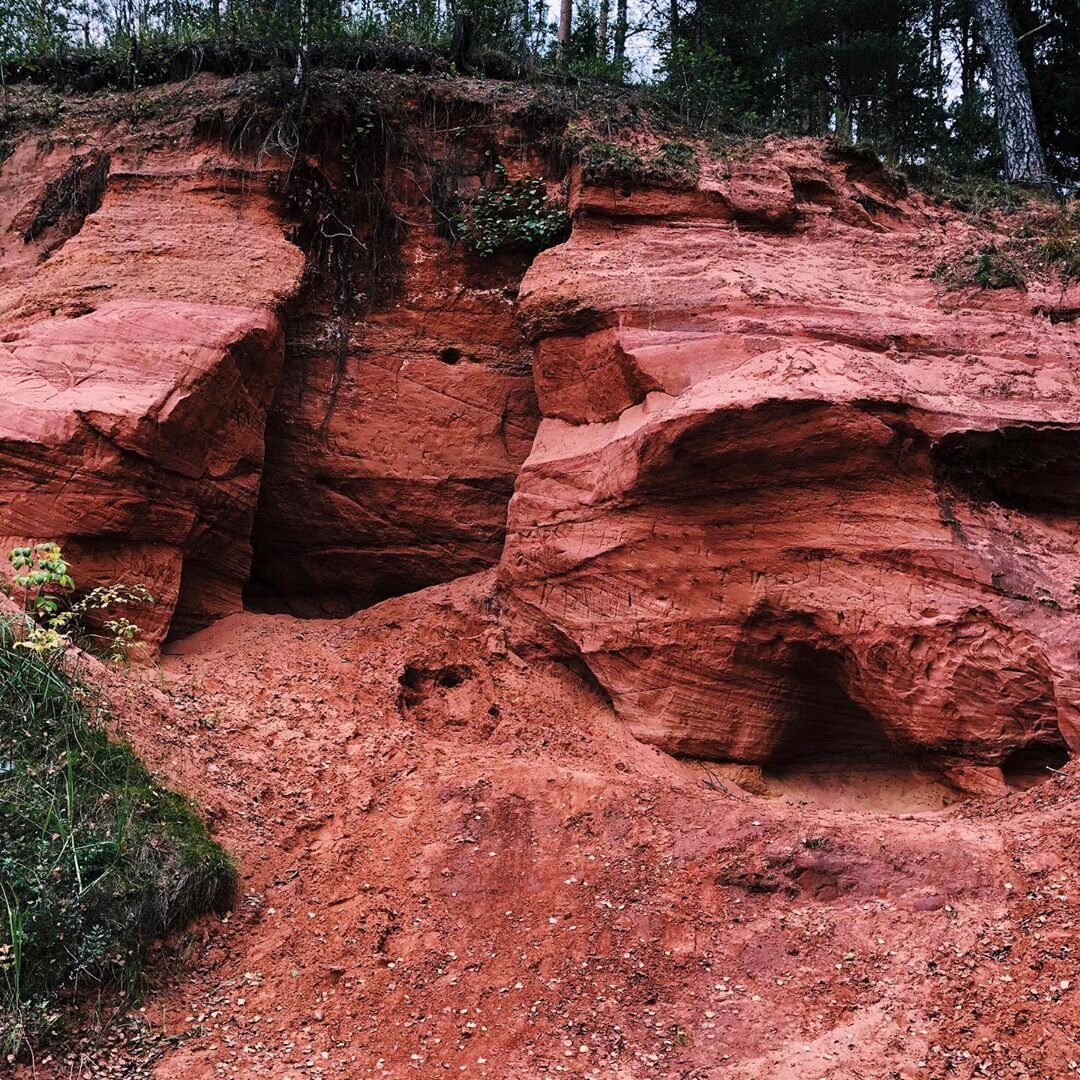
1032	470
450	355
811	189
1034	764
832	750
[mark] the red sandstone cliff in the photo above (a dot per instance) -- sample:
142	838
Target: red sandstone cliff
162	337
790	505
787	495
780	474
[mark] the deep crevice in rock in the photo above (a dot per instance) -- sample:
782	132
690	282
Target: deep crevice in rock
822	722
1033	470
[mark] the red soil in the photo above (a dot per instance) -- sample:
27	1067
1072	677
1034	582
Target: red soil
456	863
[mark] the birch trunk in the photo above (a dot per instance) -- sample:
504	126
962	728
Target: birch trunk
1024	162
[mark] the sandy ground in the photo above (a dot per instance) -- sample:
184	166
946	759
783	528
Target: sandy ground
457	863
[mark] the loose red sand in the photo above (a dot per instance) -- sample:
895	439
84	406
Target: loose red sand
454	863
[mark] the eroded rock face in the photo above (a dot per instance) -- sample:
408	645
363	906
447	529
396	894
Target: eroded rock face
787	501
389	467
404	406
138	362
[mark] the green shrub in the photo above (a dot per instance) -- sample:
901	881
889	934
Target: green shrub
988	268
96	858
603	162
43	584
674	163
511	215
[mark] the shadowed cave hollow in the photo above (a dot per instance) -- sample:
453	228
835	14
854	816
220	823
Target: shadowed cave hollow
832	750
1033	470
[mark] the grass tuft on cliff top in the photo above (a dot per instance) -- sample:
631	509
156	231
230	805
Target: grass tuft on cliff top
96	858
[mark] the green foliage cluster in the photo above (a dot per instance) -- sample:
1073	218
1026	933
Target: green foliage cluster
988	268
674	163
511	215
96	858
908	76
977	195
42	581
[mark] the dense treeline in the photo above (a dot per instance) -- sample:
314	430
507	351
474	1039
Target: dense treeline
915	78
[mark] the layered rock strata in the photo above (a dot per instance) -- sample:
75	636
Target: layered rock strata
788	500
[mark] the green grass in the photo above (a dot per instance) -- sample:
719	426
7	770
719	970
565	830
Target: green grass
96	858
978	196
672	163
988	268
1058	241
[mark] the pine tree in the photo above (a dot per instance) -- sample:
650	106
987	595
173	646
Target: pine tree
565	20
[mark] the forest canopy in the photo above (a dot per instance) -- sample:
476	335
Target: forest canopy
942	83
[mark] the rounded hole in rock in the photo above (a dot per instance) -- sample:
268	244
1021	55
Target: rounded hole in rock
450	677
1028	766
451	355
833	751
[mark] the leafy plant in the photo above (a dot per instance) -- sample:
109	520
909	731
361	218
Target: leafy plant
97	859
43	575
988	268
511	215
40	572
605	162
673	163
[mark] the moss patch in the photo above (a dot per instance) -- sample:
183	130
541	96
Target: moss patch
96	857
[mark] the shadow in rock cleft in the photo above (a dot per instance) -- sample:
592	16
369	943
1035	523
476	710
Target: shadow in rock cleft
826	749
1033	470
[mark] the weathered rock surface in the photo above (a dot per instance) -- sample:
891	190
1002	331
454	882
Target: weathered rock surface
403	409
787	500
389	468
434	829
406	407
138	362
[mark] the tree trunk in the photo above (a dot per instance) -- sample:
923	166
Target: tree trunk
566	14
461	43
301	45
1024	162
935	49
621	21
967	59
602	28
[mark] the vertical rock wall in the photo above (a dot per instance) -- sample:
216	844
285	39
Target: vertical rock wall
787	499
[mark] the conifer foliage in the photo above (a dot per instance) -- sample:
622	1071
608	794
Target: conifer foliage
975	86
